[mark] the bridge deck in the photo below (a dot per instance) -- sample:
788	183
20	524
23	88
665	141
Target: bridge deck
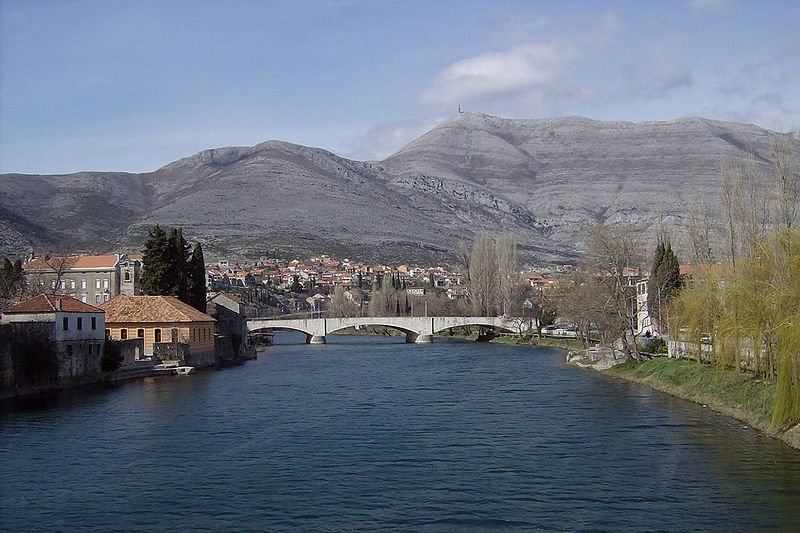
417	329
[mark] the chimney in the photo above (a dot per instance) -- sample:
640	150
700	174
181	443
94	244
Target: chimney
58	304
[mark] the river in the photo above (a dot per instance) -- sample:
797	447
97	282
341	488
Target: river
372	434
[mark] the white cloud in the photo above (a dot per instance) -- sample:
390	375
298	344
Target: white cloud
655	81
713	6
535	73
385	139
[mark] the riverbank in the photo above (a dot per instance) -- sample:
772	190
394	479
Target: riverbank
565	343
737	395
734	394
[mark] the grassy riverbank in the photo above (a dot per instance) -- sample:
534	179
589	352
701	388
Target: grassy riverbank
550	342
740	396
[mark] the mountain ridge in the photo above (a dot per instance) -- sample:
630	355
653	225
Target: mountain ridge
546	180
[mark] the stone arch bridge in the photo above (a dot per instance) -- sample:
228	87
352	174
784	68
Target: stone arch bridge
417	329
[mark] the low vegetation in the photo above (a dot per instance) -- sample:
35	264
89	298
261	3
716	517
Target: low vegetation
744	396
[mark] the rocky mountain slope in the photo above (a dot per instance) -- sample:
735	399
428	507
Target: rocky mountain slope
547	181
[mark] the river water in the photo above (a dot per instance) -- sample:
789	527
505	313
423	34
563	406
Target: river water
368	434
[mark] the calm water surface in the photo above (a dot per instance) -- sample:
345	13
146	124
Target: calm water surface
372	435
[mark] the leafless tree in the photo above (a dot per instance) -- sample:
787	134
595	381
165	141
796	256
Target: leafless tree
612	255
700	228
744	206
60	264
341	305
382	300
483	276
731	196
507	271
786	172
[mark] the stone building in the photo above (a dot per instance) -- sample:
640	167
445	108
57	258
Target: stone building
62	338
92	279
161	320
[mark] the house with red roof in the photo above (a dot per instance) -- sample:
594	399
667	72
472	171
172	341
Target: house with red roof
77	331
92	279
161	320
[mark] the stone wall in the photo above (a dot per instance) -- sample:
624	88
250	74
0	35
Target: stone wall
31	361
171	351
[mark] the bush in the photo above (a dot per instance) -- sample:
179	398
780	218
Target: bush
655	345
112	356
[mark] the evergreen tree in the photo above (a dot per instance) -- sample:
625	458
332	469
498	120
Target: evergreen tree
171	268
197	279
10	277
180	255
156	263
664	282
6	274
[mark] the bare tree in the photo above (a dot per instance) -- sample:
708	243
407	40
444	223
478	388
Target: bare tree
731	196
700	227
483	276
612	255
382	300
744	207
507	271
787	181
341	304
60	264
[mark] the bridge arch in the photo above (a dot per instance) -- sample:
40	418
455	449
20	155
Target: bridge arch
412	334
417	329
476	323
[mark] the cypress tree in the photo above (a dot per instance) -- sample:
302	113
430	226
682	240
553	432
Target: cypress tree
180	255
197	279
665	280
156	263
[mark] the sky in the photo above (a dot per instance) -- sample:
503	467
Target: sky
113	85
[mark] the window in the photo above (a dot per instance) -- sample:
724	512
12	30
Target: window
72	284
127	275
83	283
53	284
63	284
140	333
80	323
105	283
123	333
94	322
97	298
105	297
158	335
65	323
97	283
83	298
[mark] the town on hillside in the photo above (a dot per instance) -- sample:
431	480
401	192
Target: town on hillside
100	321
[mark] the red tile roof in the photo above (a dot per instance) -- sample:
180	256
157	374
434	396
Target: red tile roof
83	262
47	303
124	308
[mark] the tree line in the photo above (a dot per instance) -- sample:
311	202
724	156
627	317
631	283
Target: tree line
172	267
741	309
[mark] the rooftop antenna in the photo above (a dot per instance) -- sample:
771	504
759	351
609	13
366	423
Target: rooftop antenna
459	108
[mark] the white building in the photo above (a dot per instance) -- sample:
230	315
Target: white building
77	329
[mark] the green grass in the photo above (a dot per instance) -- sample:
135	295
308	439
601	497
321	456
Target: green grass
735	394
554	342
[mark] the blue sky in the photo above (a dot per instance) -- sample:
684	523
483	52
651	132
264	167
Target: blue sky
132	86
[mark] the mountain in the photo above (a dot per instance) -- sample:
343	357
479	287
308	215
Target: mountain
547	181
